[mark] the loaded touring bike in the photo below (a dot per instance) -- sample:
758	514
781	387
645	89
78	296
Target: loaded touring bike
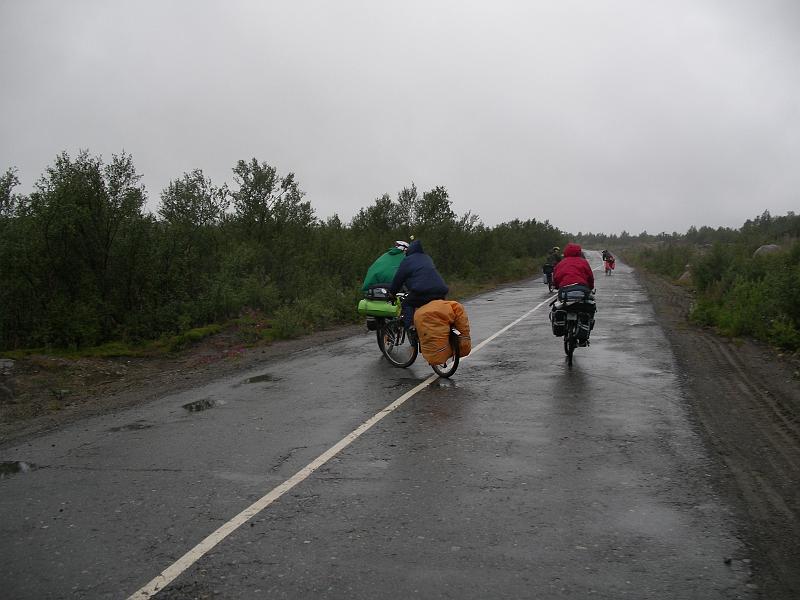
572	317
399	345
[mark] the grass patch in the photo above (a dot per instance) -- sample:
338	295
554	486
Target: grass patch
187	338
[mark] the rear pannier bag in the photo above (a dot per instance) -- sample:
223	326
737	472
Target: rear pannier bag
462	325
433	322
585	323
558	320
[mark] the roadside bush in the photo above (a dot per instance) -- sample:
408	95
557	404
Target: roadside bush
669	260
289	322
752	296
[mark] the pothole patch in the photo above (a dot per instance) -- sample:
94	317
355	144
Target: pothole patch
198	405
135	426
12	467
262	378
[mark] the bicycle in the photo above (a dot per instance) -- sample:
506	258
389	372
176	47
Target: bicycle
572	317
548	277
401	346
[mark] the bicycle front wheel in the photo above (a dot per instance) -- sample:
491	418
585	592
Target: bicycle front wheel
395	344
448	368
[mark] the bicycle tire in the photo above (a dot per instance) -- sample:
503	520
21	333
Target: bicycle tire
395	344
570	342
378	330
449	367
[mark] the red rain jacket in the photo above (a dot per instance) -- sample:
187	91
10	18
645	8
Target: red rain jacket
573	268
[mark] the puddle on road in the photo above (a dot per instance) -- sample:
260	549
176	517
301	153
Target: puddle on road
136	425
408	382
260	378
199	405
12	467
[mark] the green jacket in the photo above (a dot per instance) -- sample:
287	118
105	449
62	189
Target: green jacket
553	258
384	268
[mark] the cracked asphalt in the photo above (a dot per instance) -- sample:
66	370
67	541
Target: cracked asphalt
520	477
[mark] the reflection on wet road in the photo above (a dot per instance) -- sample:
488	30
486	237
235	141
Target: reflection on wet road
520	477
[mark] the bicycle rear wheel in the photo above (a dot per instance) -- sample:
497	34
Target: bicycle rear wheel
448	368
394	342
570	340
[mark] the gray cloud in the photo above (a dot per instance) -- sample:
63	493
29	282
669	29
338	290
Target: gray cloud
597	116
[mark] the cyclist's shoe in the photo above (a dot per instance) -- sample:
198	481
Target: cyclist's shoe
583	343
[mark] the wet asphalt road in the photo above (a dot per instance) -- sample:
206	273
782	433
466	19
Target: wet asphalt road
518	478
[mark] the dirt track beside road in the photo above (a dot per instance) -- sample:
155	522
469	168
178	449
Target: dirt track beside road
745	400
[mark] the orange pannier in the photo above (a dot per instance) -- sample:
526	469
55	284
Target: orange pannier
433	322
462	324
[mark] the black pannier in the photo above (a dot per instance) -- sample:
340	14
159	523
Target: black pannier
558	321
585	324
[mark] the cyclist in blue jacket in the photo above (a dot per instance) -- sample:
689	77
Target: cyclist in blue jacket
420	277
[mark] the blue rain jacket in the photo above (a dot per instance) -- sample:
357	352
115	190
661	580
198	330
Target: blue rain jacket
418	274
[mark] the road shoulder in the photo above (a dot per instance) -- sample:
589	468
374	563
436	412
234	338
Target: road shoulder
745	402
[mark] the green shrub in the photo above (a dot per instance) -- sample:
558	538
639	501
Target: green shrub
669	260
289	322
189	337
743	295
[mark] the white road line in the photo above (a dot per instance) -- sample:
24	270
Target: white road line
509	326
192	556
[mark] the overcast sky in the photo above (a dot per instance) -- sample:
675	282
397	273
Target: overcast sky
597	115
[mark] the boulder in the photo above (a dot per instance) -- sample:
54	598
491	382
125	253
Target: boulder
766	249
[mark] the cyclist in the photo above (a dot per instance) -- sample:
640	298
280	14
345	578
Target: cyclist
385	266
573	269
552	260
420	277
574	275
554	256
608	260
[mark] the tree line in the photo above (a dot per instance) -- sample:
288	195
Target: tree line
739	291
83	263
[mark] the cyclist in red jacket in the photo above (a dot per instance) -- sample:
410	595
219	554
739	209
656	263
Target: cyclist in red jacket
573	269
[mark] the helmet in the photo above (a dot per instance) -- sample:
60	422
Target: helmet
556	249
401	244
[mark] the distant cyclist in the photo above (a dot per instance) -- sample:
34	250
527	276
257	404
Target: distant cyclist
608	261
554	256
